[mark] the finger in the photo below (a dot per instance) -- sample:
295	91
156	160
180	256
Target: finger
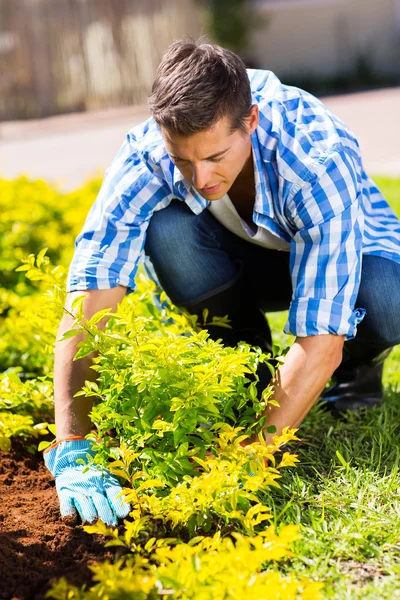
67	507
104	509
120	508
84	506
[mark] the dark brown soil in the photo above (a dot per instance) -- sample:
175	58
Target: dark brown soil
36	547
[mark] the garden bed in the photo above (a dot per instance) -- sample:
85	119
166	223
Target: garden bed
36	546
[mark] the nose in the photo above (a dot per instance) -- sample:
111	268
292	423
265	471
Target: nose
201	175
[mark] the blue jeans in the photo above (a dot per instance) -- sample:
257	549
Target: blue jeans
200	264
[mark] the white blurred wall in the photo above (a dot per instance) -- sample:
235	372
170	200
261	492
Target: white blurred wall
327	37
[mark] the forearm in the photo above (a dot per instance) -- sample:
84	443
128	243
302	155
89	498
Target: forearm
299	382
72	414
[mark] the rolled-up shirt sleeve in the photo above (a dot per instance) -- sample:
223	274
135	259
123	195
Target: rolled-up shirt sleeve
109	247
326	251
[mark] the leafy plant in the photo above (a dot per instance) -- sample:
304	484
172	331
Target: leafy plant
23	407
207	568
163	383
35	214
14	425
28	332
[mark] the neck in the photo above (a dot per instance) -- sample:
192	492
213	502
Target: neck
248	169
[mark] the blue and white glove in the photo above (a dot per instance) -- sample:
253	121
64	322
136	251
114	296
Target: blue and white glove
91	494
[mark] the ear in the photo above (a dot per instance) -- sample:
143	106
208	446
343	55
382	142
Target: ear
252	119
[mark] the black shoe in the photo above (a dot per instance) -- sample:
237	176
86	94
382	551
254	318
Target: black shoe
356	384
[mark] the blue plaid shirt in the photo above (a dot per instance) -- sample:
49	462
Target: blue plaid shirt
311	191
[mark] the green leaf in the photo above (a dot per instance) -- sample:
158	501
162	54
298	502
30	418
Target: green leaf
179	434
99	316
78	302
342	460
5	443
82	352
113	542
195	540
270	368
69	334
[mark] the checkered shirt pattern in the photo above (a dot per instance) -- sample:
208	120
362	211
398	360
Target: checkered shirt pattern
311	191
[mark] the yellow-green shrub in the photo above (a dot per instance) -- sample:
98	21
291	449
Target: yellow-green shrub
34	215
211	568
23	407
28	331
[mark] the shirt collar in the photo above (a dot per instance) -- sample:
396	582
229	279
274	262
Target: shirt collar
264	200
191	196
178	177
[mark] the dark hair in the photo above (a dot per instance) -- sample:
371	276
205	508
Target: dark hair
196	84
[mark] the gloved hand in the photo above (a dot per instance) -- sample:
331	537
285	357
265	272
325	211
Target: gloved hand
91	494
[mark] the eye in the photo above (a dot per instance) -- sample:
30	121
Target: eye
217	160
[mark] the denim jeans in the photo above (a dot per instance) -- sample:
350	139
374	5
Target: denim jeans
199	263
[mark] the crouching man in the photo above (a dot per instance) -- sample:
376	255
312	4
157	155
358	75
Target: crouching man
248	196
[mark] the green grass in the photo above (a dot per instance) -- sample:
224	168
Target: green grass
345	493
391	190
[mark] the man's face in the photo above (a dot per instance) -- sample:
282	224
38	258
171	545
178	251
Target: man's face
211	160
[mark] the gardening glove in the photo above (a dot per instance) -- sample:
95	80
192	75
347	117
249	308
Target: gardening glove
91	494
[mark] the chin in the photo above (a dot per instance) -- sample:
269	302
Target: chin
217	196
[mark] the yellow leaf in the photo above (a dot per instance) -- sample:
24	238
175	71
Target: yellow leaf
150	483
288	460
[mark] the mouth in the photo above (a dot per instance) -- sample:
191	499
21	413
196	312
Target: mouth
210	190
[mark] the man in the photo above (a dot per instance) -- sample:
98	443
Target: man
248	196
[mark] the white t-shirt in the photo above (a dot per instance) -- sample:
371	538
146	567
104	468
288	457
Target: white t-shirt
225	212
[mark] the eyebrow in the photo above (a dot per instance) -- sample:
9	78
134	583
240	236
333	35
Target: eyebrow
206	158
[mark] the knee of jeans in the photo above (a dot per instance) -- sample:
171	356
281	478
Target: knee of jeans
379	328
386	337
379	295
169	229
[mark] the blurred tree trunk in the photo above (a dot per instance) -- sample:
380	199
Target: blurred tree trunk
230	24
